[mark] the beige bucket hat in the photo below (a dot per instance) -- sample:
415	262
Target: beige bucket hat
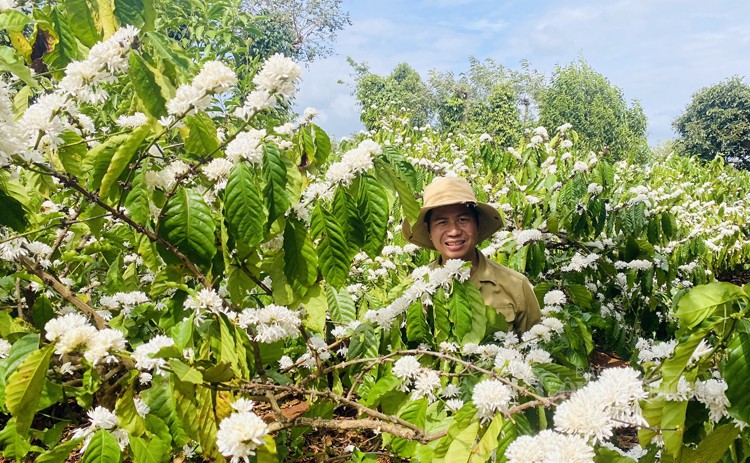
445	191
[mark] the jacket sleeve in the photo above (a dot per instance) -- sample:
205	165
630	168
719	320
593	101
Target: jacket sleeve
529	313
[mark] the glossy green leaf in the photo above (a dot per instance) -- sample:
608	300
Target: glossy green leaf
122	157
137	201
14	214
128	417
275	177
103	448
165	48
300	260
60	453
417	329
14	444
187	223
66	48
11	62
163	404
81	20
461	448
333	255
146	86
98	159
363	343
703	301
344	209
14	21
139	13
24	386
152	450
201	141
185	372
736	372
373	205
381	387
315	304
489	441
243	206
341	305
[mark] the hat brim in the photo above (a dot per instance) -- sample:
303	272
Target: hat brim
488	222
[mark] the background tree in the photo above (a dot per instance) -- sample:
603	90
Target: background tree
310	25
717	122
381	96
485	99
598	111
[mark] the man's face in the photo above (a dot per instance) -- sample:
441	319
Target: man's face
453	232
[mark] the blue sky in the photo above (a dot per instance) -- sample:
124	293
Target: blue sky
659	52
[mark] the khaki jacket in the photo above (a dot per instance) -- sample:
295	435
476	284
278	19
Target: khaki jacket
509	292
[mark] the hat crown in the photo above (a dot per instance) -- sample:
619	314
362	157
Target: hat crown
444	191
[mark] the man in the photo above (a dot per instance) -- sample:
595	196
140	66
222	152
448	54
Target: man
453	222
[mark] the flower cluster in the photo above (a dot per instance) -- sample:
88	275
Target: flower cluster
491	396
271	323
595	410
101	418
85	80
241	433
213	78
426	282
73	333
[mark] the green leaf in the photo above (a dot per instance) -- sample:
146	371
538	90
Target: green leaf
127	413
716	444
275	176
461	448
13	443
98	159
333	254
163	404
363	343
14	214
165	49
14	21
137	201
139	13
474	322
267	452
300	260
605	455
11	62
373	205
19	351
80	18
122	157
315	303
700	302
736	372
185	372
105	13
409	204
243	206
154	450
103	448
187	224
417	329
206	423
72	153
66	48
344	209
381	387
201	141
24	387
146	86
461	420
60	453
341	305
489	441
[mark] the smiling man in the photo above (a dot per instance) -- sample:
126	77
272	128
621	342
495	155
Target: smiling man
453	223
